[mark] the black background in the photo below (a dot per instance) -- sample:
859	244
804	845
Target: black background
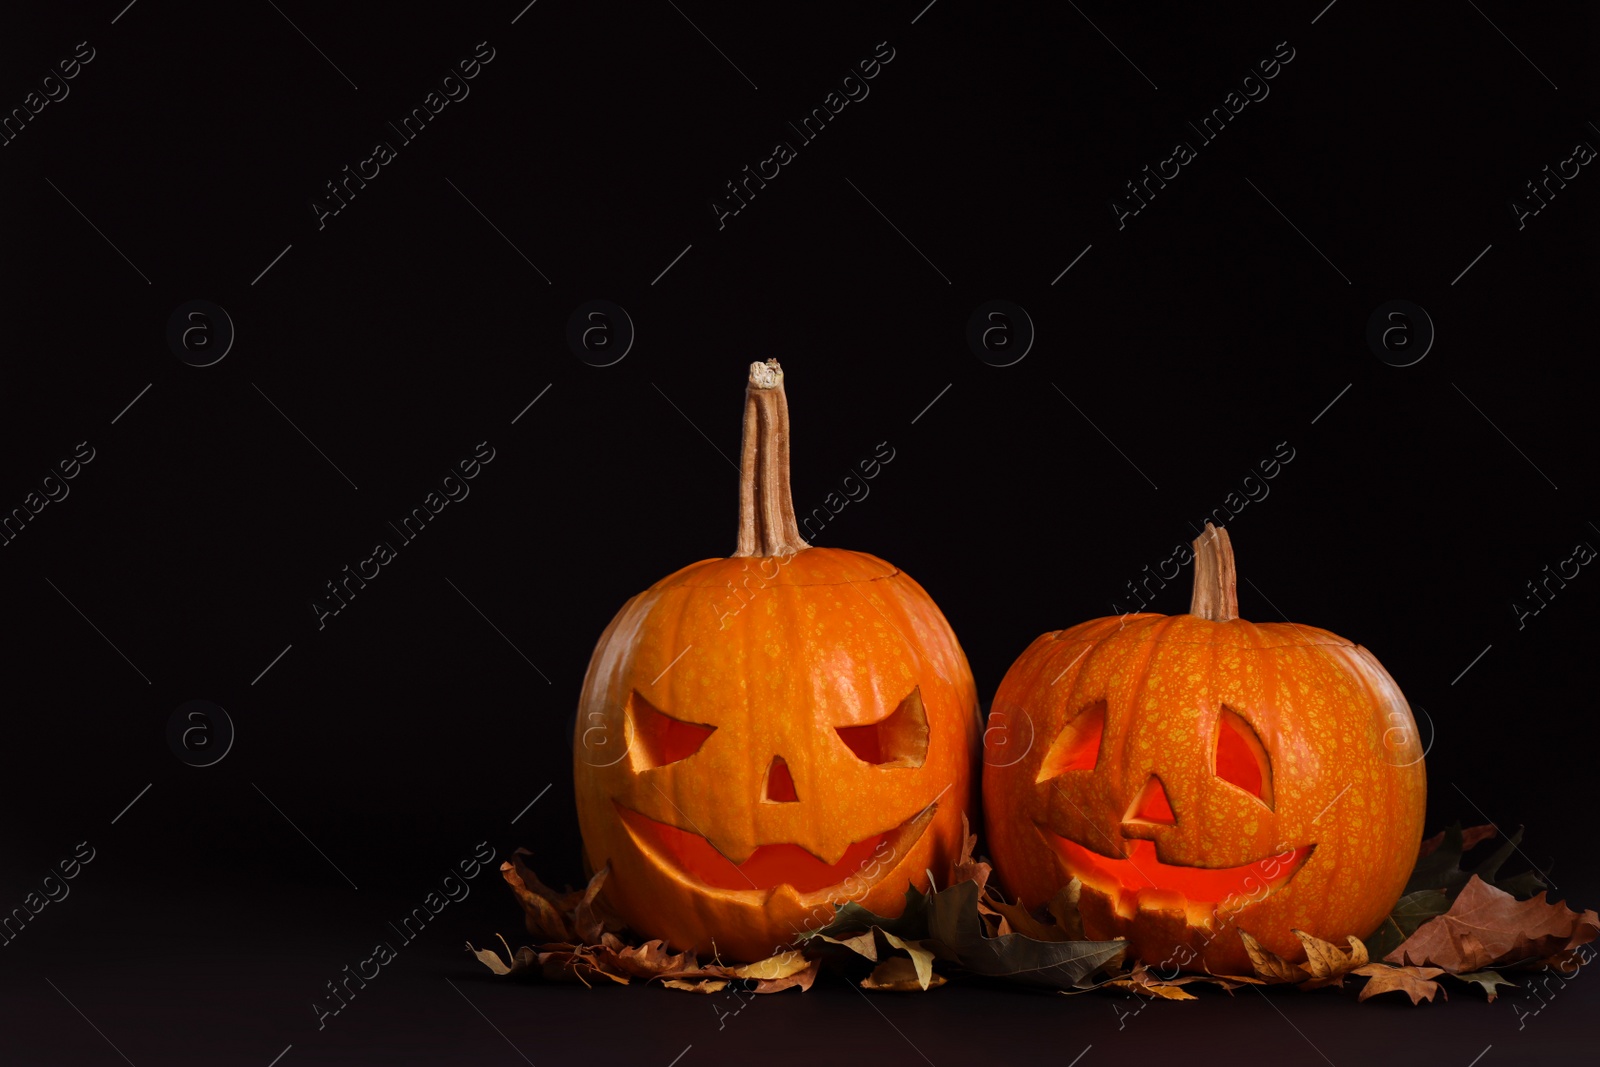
426	715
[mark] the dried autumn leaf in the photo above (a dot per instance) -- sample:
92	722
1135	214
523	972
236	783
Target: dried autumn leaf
773	967
651	959
1415	982
1441	868
1487	981
1486	926
1146	982
541	916
1268	964
955	933
1063	908
921	958
1471	836
1021	921
1328	963
968	869
899	975
709	985
861	944
1412	911
851	918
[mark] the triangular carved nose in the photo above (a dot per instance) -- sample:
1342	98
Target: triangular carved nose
780	784
1152	804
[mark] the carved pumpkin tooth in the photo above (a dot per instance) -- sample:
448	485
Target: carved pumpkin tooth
807	710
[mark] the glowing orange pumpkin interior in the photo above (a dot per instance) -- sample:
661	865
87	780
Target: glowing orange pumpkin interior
766	867
1240	759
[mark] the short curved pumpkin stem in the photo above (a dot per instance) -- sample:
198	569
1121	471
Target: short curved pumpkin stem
767	524
1216	594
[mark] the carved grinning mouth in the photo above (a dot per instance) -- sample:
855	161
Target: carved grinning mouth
771	865
1142	880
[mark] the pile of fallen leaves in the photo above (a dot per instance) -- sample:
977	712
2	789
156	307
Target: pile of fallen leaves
1474	926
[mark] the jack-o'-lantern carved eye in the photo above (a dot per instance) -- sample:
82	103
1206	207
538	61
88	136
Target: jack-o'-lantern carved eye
1077	747
658	738
1241	758
901	740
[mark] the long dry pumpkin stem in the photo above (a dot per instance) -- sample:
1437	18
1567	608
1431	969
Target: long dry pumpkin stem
767	524
1216	596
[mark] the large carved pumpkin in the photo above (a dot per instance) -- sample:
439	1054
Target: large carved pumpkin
764	737
1201	775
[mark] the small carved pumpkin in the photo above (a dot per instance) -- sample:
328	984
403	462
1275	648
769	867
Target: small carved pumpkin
1201	775
764	737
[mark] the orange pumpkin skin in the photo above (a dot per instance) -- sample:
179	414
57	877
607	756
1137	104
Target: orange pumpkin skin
823	639
1337	756
764	737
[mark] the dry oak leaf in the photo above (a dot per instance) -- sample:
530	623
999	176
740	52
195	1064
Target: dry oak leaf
900	975
1415	982
1269	965
1140	980
968	869
1487	981
1486	926
1472	835
1328	963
